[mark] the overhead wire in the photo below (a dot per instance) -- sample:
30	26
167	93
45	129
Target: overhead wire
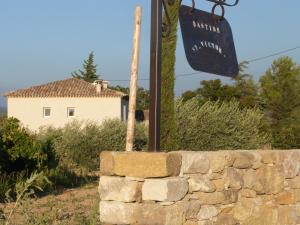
272	55
248	61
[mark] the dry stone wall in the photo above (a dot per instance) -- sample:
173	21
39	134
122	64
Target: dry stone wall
200	188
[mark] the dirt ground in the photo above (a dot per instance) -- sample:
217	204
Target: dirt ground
73	206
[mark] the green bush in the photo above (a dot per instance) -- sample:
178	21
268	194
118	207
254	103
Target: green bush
286	132
78	144
5	186
113	136
215	126
47	136
19	148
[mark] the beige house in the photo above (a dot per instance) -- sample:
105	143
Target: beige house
60	102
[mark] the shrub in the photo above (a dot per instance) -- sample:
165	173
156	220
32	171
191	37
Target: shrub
113	136
5	186
79	144
47	137
19	147
215	126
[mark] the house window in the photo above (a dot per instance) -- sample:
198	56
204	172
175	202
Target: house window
71	112
47	111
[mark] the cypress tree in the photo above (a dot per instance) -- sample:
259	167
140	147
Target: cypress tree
168	124
89	72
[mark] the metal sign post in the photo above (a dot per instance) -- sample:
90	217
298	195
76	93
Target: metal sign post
155	75
209	47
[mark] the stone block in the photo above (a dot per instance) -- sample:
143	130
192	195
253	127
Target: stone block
154	214
119	189
266	216
249	178
226	219
220	184
287	215
107	163
207	212
118	212
219	160
230	196
290	163
140	164
192	209
190	222
285	198
206	222
233	179
215	176
248	193
269	156
269	180
297	196
201	183
243	160
294	183
246	208
134	213
165	190
209	198
257	163
298	209
194	162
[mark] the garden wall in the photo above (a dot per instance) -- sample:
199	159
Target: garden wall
201	188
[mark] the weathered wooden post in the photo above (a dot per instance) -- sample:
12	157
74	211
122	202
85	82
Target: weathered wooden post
133	78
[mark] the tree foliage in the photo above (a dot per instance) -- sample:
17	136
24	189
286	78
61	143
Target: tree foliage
219	125
19	149
243	89
79	143
168	123
280	94
142	98
89	72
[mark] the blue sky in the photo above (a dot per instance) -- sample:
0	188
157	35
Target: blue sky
43	41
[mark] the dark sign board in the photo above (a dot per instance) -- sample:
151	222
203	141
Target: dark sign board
208	42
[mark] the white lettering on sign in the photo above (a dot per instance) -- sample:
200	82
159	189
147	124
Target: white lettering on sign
206	44
205	26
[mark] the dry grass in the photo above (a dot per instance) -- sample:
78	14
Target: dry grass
71	207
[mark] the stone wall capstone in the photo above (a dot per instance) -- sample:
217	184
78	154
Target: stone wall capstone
260	187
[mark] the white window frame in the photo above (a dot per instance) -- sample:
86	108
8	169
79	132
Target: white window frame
44	112
68	112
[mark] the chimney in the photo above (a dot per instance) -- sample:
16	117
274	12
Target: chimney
105	84
99	85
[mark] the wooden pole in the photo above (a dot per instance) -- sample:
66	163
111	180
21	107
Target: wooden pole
133	78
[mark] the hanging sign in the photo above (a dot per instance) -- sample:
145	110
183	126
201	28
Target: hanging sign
208	42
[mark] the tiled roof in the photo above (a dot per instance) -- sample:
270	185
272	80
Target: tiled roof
71	87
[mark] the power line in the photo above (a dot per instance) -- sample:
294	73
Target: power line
249	61
271	55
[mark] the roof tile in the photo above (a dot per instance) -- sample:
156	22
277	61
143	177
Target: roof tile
71	87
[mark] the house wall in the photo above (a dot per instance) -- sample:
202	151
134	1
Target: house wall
200	188
30	110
